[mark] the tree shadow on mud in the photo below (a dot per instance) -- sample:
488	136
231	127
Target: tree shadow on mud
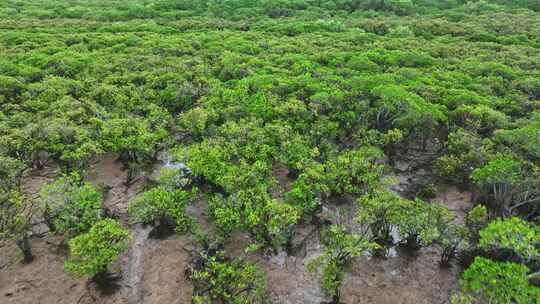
107	283
104	284
162	231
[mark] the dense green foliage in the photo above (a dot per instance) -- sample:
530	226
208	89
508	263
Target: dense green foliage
496	282
221	280
15	215
91	253
476	220
514	235
509	183
278	108
417	222
164	207
70	206
268	220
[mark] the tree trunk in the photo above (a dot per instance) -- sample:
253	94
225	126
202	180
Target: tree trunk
335	297
412	242
24	245
447	255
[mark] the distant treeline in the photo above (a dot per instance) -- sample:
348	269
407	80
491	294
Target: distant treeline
114	10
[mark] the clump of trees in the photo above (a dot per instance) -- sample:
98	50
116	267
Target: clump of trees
165	205
510	184
136	140
269	221
416	222
73	208
464	152
507	261
476	220
312	104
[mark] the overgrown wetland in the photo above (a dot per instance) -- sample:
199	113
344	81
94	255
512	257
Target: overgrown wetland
270	151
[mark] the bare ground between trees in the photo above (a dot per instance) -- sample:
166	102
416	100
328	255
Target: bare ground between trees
153	269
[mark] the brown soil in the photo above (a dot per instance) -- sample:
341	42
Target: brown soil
288	280
401	280
457	201
164	280
108	173
281	173
42	281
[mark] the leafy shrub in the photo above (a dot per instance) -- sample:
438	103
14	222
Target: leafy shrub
162	206
453	239
378	211
508	182
418	222
513	234
135	139
524	139
71	206
65	142
355	171
465	152
174	178
11	170
341	249
269	221
476	220
499	283
15	215
91	253
395	107
218	278
421	223
481	119
10	88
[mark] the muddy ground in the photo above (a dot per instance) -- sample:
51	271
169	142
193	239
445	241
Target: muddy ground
152	270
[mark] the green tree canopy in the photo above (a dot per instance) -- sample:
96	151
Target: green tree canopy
91	253
70	205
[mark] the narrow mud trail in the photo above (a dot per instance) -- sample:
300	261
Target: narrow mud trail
133	269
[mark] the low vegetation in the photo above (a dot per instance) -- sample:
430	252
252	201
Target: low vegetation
274	113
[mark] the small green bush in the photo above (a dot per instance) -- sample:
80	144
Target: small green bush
512	234
163	206
499	283
220	279
91	253
71	206
341	248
